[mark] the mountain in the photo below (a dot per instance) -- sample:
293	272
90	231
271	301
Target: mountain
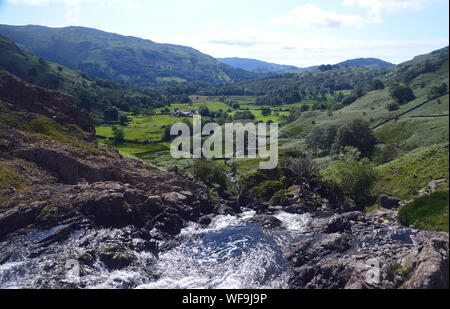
258	66
92	94
125	59
370	63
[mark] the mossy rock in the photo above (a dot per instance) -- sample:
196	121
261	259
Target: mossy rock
116	257
268	189
280	198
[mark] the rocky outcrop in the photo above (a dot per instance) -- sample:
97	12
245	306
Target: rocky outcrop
346	251
52	104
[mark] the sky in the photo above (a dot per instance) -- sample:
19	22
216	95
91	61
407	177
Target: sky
294	32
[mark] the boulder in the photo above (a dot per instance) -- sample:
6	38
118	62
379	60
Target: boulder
168	223
266	221
388	202
116	257
19	217
342	222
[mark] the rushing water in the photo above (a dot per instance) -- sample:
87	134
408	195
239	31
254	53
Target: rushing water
230	253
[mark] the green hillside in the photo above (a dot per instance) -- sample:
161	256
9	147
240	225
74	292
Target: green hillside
411	130
92	94
369	63
120	58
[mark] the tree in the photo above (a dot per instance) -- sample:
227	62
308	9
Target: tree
322	138
436	91
266	111
304	108
123	120
402	94
302	168
358	134
354	178
376	85
166	137
118	136
204	111
239	115
111	114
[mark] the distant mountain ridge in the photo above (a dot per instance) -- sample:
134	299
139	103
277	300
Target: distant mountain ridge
125	59
369	63
258	66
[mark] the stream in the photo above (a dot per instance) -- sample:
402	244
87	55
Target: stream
230	253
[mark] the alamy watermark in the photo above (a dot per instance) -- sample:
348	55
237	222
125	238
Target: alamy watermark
227	143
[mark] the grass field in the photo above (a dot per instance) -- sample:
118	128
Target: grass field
404	177
142	128
427	213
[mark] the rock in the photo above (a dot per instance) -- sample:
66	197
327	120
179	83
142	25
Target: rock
59	234
326	274
116	256
383	215
19	217
168	223
388	202
86	258
266	221
334	243
108	208
55	105
205	220
5	256
342	222
154	205
174	198
429	266
70	170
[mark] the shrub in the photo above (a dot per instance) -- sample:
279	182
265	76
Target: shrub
280	198
385	154
354	179
209	173
301	169
268	189
118	136
393	106
240	115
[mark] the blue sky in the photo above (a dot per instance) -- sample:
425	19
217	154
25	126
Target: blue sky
293	32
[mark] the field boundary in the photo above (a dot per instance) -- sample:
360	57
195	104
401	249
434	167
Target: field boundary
406	112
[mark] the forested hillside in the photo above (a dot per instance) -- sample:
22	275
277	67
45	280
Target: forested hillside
124	59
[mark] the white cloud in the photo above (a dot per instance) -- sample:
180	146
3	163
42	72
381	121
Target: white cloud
376	8
283	48
310	15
